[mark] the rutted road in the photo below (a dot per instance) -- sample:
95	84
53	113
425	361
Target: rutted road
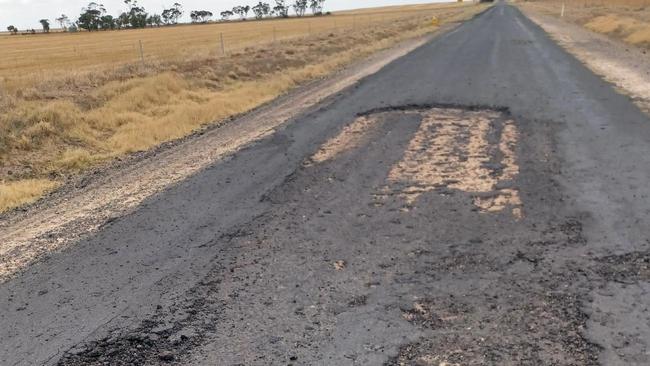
482	200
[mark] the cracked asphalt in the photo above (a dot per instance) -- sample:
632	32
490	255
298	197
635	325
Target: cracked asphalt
482	200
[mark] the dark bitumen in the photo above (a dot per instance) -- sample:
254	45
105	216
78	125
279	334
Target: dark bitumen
239	264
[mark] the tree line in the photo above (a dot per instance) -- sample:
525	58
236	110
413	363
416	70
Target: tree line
94	17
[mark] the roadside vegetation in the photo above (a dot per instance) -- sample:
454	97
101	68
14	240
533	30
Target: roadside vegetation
627	20
58	119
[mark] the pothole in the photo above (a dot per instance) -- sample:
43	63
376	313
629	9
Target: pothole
471	151
454	149
351	136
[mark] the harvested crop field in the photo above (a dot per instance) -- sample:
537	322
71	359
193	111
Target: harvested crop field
53	127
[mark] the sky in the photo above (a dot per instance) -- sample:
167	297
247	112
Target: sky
25	14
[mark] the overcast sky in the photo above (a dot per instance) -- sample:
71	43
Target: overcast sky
25	14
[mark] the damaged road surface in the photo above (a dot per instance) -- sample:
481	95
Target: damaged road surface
481	201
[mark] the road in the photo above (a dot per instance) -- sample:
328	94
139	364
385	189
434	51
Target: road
482	200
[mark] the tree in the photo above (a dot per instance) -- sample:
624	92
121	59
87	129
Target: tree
45	23
246	9
281	9
63	21
122	21
12	29
154	20
90	18
200	16
300	6
137	15
261	10
171	15
225	15
316	6
239	10
107	22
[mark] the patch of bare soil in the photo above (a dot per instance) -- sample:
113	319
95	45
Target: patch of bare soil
88	202
623	65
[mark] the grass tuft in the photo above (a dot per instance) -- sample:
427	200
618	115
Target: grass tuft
631	30
15	194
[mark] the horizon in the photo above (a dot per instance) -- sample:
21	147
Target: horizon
12	12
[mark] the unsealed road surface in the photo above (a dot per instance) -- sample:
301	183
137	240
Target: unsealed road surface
480	201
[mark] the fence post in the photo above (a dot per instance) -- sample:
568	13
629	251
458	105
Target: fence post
274	35
223	47
141	53
562	12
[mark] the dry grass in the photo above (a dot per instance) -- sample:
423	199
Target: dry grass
59	125
627	20
15	194
631	30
